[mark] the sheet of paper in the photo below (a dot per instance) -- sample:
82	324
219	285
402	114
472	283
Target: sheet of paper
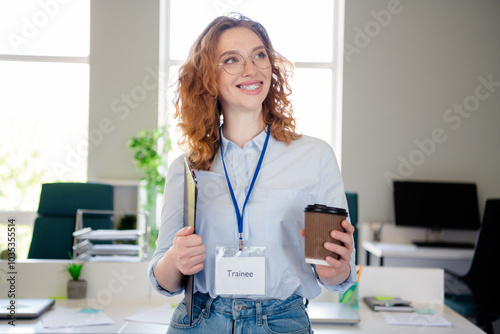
158	315
114	258
415	319
110	235
64	317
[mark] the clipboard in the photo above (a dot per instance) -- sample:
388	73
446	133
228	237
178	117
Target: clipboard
190	197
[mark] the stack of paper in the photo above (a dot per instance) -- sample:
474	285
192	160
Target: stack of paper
114	258
118	249
110	235
380	303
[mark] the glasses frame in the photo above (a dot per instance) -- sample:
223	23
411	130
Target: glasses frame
269	54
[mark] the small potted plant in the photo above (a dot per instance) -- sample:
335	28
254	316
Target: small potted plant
76	288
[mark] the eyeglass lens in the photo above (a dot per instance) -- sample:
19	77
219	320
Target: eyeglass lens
235	63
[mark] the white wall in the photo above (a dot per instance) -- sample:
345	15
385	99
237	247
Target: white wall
47	278
123	83
388	281
406	64
105	280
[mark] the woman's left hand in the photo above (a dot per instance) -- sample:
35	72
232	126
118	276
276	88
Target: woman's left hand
338	270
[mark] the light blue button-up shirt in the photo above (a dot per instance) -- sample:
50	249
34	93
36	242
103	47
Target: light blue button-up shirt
291	177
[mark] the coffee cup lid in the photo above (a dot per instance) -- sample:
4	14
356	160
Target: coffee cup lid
325	209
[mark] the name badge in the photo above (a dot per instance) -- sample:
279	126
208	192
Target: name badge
240	275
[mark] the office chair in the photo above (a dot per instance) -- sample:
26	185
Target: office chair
53	229
483	275
352	203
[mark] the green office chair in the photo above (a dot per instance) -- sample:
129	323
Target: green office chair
352	203
53	229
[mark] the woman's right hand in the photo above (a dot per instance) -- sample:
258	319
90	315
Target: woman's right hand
188	251
185	257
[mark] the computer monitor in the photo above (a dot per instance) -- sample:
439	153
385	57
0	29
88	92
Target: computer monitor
436	205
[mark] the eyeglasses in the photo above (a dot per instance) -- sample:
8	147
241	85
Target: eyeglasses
234	63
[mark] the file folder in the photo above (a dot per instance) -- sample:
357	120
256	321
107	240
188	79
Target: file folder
190	197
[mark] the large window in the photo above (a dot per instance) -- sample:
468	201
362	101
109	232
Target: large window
305	32
44	50
44	77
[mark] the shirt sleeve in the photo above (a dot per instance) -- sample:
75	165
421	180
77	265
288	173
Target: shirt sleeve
171	218
333	194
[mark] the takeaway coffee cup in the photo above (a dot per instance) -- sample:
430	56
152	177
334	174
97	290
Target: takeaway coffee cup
320	221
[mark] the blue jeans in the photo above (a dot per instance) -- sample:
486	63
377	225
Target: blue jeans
226	315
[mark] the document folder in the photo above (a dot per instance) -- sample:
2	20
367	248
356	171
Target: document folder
190	197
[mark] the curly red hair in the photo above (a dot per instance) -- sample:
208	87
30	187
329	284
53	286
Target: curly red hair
196	102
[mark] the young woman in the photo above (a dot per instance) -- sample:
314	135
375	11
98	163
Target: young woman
255	176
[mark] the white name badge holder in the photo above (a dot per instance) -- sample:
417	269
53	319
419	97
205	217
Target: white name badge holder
240	272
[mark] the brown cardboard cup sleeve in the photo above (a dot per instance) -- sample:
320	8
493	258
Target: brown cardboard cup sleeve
320	220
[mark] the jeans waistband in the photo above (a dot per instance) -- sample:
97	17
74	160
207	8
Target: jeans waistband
242	307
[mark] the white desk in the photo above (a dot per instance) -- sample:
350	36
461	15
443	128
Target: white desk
374	323
117	309
122	290
456	260
120	308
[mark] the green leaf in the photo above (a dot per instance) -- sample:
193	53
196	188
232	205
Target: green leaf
149	157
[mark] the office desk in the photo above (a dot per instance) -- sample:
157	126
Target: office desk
120	308
122	290
117	309
456	260
374	323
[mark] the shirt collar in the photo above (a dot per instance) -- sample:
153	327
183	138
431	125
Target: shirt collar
257	140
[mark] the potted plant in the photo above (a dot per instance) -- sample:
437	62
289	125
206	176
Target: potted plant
150	149
76	287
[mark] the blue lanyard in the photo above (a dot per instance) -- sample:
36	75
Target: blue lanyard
239	216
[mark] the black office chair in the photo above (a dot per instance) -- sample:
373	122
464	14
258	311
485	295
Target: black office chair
483	276
352	204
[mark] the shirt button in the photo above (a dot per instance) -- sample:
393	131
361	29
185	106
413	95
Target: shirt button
243	184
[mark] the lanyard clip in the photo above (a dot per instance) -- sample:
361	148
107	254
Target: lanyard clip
241	243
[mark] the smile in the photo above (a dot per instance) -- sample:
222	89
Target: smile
254	86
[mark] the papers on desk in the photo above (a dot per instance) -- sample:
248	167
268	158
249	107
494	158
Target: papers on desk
66	317
378	303
157	315
416	319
